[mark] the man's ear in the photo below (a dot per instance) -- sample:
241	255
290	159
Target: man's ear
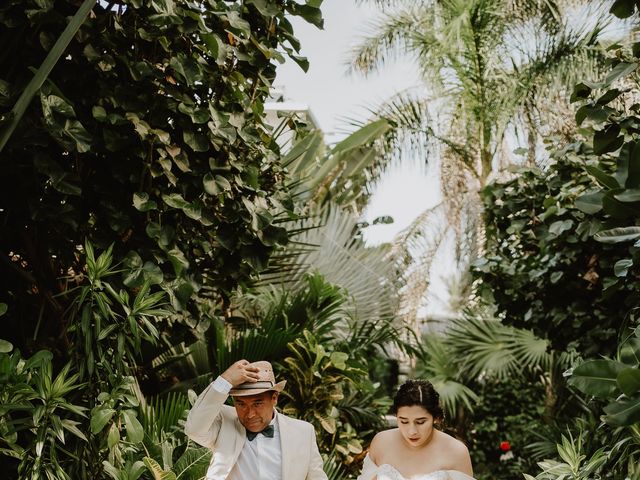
275	398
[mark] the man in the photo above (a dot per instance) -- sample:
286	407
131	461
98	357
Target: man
252	441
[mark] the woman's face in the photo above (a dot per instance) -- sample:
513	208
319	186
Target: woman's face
415	424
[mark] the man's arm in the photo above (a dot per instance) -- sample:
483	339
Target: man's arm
315	460
204	420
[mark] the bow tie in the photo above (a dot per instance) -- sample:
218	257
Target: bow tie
267	432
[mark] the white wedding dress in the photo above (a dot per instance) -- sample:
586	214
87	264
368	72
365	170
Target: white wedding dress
388	472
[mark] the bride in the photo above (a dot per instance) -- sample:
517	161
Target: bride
416	450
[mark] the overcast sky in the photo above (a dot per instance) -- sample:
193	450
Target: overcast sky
334	96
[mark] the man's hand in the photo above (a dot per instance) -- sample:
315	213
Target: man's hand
240	372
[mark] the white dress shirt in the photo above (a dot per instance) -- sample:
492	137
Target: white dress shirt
261	458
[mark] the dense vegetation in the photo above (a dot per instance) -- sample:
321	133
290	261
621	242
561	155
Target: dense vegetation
154	230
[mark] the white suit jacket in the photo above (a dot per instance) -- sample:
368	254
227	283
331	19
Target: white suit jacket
215	425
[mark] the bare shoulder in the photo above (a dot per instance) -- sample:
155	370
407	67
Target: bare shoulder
457	456
382	442
453	443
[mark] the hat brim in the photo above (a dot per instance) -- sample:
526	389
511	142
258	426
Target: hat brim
247	389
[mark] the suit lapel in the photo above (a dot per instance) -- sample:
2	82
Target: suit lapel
283	426
240	439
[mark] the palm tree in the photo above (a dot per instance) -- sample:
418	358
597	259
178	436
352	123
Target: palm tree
494	71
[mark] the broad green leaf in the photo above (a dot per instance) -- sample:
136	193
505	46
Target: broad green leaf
603	178
633	167
135	433
623	412
100	417
41	75
239	24
362	136
621	267
555	276
629	381
142	203
597	114
630	352
616	235
608	96
197	141
628	196
157	471
5	346
557	228
580	92
607	140
187	68
621	70
310	13
215	185
178	260
267	8
597	377
175	200
76	131
617	209
3	308
339	360
590	203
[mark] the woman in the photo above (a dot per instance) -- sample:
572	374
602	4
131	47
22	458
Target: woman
416	450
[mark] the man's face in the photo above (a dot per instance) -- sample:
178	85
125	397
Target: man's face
256	411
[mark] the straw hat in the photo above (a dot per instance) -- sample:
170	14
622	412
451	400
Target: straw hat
266	382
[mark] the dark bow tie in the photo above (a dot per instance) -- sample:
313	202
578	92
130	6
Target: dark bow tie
267	432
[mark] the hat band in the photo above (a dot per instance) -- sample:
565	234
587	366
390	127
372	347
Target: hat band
255	385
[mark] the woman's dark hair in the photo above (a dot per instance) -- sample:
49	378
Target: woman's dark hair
421	393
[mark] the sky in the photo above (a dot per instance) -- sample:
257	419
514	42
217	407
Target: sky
334	97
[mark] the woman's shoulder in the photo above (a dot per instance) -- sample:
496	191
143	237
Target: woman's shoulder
455	454
450	442
385	436
382	441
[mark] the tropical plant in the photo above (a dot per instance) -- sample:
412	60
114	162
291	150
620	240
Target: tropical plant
543	268
573	465
492	71
38	415
594	209
148	135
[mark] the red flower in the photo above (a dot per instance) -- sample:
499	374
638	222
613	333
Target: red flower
505	446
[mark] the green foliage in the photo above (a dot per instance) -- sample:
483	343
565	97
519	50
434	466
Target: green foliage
574	464
324	353
509	410
616	381
148	135
566	238
37	415
543	268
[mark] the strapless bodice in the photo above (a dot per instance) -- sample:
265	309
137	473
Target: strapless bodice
388	472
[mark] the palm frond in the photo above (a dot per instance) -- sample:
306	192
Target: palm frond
492	348
162	414
342	258
415	249
391	39
409	136
438	364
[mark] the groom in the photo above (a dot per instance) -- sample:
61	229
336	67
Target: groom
251	440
